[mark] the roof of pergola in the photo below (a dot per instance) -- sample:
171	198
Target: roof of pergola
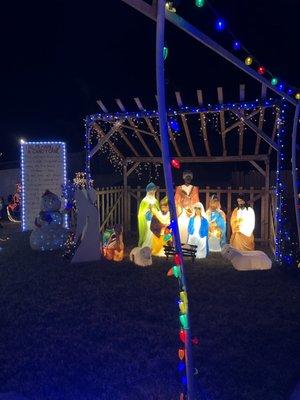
222	132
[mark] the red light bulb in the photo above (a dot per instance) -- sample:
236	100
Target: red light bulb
182	335
175	163
261	70
176	259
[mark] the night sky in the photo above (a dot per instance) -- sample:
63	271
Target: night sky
59	57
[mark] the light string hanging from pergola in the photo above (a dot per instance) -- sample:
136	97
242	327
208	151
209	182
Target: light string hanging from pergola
221	25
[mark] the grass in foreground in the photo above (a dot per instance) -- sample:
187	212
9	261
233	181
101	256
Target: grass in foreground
109	331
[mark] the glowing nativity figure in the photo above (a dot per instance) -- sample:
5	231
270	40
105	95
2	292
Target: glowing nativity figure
113	245
217	225
242	225
198	231
87	227
186	196
148	205
159	227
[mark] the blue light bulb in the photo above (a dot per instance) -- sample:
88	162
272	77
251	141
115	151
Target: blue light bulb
236	45
174	125
220	24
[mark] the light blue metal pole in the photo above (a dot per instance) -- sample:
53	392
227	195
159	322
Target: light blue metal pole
160	84
295	169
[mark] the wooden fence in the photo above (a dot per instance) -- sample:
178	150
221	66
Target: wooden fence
117	205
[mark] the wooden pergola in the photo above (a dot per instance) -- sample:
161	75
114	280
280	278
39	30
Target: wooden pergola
243	132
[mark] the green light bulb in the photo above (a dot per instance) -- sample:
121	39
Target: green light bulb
184	321
176	271
274	81
199	3
166	51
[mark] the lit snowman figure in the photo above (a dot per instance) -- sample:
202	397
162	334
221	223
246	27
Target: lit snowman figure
49	233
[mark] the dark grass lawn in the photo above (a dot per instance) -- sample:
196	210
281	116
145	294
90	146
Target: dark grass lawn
109	331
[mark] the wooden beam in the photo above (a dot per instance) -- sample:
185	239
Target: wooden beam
134	167
122	108
134	128
256	130
263	91
148	122
211	108
241	126
185	125
260	127
275	128
203	123
200	97
105	138
173	140
143	7
128	142
261	118
103	135
240	123
204	159
102	106
222	119
259	168
122	134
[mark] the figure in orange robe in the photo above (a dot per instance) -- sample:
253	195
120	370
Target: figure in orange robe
186	196
242	225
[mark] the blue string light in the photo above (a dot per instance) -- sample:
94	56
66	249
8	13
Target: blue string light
23	184
236	45
286	242
220	25
123	116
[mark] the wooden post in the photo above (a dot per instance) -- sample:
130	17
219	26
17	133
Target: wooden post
125	200
206	197
98	208
163	127
263	216
267	201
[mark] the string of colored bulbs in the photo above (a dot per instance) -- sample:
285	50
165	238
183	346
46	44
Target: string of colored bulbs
220	26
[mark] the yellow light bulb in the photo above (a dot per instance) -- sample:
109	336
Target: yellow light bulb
249	61
297	96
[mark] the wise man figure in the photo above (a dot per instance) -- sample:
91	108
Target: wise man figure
242	225
217	225
147	205
186	196
159	227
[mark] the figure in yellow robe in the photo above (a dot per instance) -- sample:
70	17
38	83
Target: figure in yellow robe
159	227
242	226
147	205
186	196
